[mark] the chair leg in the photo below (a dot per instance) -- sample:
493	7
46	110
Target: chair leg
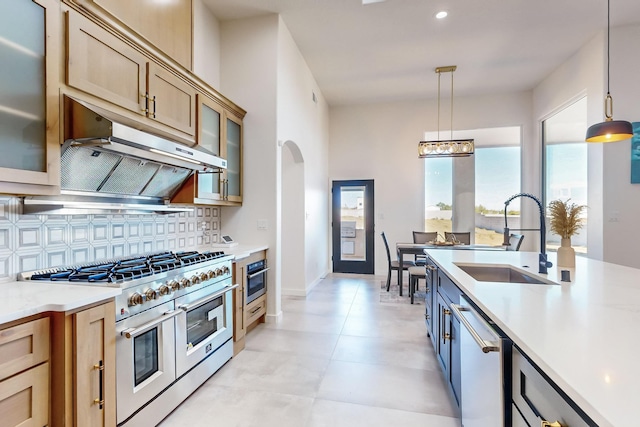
388	279
412	286
398	282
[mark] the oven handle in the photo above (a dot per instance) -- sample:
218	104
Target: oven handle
134	332
249	276
187	307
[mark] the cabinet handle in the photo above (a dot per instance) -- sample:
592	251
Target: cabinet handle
548	424
146	103
153	115
100	368
445	335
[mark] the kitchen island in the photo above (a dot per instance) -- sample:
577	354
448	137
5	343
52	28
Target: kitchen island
579	333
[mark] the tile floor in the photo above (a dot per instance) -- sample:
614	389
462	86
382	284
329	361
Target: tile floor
339	358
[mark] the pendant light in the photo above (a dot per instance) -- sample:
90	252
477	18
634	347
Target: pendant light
449	147
610	130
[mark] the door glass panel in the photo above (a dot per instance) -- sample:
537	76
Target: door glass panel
210	130
203	321
352	234
145	355
233	157
22	84
565	164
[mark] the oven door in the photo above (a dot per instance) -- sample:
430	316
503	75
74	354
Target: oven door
145	357
204	325
256	284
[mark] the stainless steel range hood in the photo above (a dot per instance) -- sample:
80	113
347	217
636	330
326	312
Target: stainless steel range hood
109	167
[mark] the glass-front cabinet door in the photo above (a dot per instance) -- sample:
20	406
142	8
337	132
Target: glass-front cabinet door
29	108
210	138
233	154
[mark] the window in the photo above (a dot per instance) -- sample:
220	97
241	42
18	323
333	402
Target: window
497	177
565	164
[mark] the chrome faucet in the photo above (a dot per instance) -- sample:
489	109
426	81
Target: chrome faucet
543	264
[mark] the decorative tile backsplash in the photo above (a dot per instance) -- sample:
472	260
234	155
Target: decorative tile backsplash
32	242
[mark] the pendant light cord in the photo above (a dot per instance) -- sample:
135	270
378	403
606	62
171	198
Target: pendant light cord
451	124
439	106
608	43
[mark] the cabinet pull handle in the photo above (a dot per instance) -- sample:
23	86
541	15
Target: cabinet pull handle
254	311
445	335
100	368
154	107
548	424
146	103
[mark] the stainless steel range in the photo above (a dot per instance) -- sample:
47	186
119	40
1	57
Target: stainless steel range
174	325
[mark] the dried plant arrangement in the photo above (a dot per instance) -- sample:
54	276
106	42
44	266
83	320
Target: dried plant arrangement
565	218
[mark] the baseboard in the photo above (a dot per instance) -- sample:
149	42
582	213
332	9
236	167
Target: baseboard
273	318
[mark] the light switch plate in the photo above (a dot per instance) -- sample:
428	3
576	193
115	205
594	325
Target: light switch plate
262	224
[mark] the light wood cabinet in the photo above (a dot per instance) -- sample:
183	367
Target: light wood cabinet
24	374
29	108
84	370
246	317
105	66
165	24
220	132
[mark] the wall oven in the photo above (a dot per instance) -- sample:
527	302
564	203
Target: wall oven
256	280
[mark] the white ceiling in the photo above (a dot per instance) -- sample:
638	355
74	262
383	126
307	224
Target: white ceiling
388	50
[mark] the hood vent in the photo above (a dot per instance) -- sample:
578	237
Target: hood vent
107	166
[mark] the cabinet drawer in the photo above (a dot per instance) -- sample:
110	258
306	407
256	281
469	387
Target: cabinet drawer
24	398
23	346
537	400
254	311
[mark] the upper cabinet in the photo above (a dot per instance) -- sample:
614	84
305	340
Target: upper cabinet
220	132
29	109
105	66
164	24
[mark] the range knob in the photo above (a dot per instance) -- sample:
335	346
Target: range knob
211	274
225	270
203	277
174	285
218	272
135	299
185	283
151	294
195	280
164	290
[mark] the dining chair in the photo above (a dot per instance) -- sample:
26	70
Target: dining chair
462	237
423	237
515	240
394	264
415	274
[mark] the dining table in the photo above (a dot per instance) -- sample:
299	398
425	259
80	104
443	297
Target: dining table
403	249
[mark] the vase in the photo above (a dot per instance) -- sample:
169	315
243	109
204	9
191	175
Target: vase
566	254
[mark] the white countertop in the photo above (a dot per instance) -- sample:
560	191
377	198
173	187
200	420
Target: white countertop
244	250
23	299
582	334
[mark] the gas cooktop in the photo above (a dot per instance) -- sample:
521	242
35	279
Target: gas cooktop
122	270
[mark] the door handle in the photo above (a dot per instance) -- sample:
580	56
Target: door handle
100	368
486	346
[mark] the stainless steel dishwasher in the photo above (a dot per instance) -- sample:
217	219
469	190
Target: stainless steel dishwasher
482	395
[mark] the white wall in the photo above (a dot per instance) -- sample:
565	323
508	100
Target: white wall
379	142
305	123
206	44
248	69
622	199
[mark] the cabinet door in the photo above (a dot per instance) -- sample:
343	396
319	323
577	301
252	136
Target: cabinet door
233	154
443	347
102	65
23	346
455	366
166	24
29	107
209	137
24	398
95	366
172	101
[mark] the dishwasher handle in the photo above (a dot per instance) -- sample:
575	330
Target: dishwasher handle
485	346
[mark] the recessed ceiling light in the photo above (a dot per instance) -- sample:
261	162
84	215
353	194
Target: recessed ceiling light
365	2
442	14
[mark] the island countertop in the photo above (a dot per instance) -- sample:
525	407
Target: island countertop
25	298
580	333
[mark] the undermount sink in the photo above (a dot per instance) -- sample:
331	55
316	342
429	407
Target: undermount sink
501	273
